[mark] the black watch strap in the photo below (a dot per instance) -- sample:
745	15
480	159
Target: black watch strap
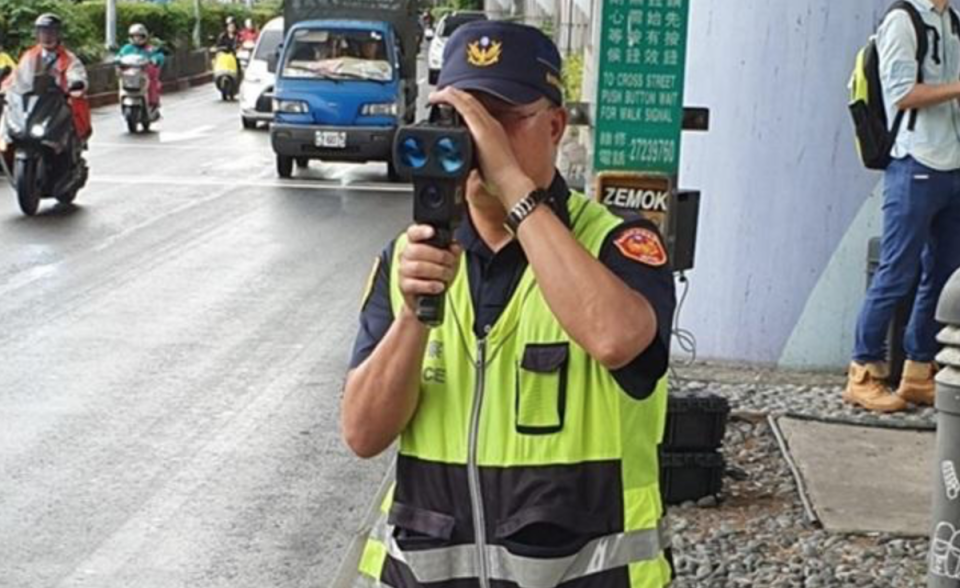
522	209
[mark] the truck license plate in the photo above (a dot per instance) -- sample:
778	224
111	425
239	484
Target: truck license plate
331	139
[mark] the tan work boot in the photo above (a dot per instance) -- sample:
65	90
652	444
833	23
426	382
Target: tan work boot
865	388
917	384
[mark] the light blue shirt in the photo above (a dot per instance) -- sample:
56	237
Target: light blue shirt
935	141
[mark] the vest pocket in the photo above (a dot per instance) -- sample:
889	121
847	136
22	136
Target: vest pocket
417	528
547	532
542	388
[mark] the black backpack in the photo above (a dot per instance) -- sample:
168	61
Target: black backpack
875	136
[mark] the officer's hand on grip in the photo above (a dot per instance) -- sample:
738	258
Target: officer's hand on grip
498	163
425	269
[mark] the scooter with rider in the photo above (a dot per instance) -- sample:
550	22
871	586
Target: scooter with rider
47	120
138	71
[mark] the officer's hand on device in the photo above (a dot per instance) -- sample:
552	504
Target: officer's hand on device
425	269
499	166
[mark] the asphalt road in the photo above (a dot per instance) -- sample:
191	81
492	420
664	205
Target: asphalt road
173	349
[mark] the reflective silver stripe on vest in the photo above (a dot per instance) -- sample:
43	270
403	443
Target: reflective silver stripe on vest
365	581
599	555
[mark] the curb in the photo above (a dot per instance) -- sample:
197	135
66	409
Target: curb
178	85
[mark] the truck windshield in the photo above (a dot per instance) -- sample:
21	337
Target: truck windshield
338	55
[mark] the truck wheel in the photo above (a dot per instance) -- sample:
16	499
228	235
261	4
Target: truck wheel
248	124
284	166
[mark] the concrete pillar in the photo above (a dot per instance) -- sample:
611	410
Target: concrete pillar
111	25
197	41
944	560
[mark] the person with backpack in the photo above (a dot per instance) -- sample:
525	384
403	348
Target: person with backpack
913	70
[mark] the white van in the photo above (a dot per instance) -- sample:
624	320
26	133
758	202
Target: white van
256	91
449	23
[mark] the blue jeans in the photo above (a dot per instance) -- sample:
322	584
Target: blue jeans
921	236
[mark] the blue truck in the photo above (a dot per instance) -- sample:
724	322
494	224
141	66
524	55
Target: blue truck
346	80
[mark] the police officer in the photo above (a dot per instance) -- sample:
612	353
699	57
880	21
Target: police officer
529	420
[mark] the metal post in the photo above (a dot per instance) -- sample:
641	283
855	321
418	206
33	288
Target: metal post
197	41
111	25
944	557
558	23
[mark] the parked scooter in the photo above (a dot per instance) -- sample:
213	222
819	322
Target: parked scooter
245	52
226	74
134	87
48	161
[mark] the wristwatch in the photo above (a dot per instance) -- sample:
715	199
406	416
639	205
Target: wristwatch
522	209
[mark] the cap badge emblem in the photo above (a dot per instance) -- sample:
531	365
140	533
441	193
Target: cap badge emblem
484	52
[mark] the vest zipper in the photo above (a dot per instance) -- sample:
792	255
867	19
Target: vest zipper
473	469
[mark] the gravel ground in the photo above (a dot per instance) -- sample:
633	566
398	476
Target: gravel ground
756	533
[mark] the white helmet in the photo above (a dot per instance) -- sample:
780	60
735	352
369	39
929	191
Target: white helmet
138	30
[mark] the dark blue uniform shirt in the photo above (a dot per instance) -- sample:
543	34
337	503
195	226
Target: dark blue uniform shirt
494	277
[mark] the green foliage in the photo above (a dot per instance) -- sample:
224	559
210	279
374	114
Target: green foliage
448	6
573	77
171	25
215	15
17	17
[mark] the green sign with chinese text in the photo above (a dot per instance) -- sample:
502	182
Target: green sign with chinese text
639	111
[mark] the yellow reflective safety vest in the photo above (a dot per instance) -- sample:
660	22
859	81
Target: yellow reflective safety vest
525	465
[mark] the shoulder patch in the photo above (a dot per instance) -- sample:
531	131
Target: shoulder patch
368	290
642	245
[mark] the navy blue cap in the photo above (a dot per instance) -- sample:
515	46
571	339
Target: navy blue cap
514	62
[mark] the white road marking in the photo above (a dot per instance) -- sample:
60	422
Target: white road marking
38	273
248	183
170	147
175	137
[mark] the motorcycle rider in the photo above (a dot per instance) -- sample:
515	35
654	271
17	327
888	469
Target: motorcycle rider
249	32
50	56
140	45
229	39
229	42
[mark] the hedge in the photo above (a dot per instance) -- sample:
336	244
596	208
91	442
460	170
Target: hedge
171	25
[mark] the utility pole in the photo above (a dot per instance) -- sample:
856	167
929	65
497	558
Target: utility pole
558	23
111	25
197	42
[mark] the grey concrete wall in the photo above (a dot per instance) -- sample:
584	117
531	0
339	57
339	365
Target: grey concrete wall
780	179
787	207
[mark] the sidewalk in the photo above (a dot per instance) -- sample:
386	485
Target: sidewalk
757	533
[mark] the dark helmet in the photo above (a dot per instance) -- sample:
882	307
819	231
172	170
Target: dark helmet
230	20
48	21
